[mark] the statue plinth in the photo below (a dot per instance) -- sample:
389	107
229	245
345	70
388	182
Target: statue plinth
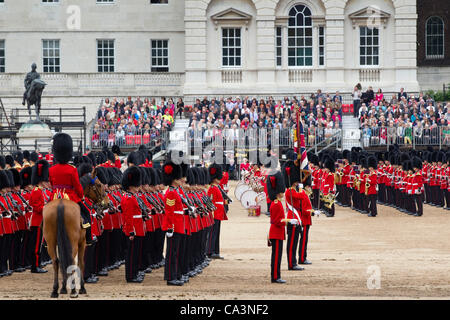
34	130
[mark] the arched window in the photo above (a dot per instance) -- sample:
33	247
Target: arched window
300	38
434	34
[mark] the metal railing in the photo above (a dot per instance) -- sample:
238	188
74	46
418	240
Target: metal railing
407	137
129	138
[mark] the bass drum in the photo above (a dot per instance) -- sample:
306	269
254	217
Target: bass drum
240	189
249	199
261	201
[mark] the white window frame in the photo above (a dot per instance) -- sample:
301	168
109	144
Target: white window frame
105	2
44	56
159	57
321	46
372	55
114	56
304	46
3	41
233	47
159	4
279	37
438	56
51	2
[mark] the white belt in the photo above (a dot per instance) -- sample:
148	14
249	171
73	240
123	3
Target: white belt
138	216
179	212
295	212
218	202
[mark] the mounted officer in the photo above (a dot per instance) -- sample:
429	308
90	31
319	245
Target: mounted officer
28	82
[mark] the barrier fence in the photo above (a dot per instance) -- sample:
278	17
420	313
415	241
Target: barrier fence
415	136
129	139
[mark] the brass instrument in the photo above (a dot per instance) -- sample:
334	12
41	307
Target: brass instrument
367	188
329	199
308	191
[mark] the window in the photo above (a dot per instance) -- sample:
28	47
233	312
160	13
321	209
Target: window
368	46
2	55
159	1
279	46
105	1
51	55
321	46
434	34
49	1
160	55
231	47
105	55
300	37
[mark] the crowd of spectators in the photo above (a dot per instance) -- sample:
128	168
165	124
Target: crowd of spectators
321	115
401	118
134	122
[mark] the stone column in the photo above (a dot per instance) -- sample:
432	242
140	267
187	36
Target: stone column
265	50
334	48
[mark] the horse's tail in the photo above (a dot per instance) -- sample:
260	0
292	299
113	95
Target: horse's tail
64	246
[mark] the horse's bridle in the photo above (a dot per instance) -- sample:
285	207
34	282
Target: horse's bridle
97	192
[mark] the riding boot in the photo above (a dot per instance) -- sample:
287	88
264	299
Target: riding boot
86	224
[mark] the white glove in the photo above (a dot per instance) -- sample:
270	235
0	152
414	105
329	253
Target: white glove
409	191
294	222
169	233
317	213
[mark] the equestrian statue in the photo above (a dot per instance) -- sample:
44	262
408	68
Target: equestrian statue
33	93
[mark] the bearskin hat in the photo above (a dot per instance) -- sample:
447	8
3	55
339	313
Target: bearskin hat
4	180
93	159
440	156
372	162
346	154
291	173
9	160
34	157
100	158
215	171
275	185
10	178
2	162
115	176
18	157
132	177
417	163
110	156
407	165
206	177
116	150
171	172
434	156
314	159
26	155
17	180
136	158
25	175
102	175
39	172
190	176
291	155
62	148
84	168
329	164
380	156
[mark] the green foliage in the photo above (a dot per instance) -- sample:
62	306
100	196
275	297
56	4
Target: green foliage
438	95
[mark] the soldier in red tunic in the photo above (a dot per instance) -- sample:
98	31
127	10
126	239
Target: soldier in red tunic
277	232
38	199
27	188
328	186
65	181
215	173
133	226
173	223
371	185
417	186
116	150
7	233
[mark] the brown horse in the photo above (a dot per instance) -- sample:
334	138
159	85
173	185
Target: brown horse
64	236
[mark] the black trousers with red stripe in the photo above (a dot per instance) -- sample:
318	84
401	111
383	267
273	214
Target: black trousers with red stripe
89	261
418	199
316	199
277	253
24	257
214	241
293	233
132	257
172	267
5	253
35	247
303	248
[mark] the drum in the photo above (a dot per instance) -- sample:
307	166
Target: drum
249	199
240	189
